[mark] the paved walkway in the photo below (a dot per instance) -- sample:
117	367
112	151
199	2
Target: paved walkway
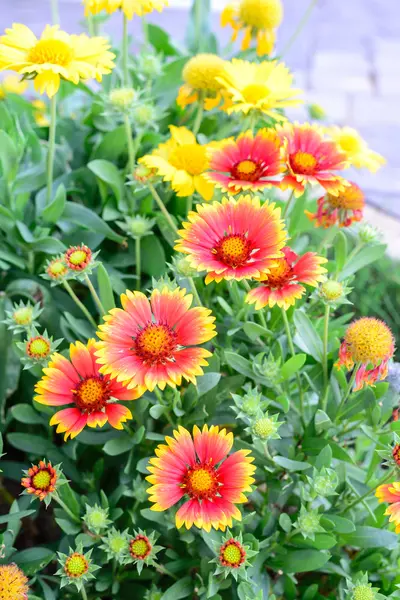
347	59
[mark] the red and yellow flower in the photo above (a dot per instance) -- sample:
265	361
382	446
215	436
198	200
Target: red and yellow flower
310	158
390	493
368	346
247	163
233	239
13	583
78	381
41	480
344	208
281	285
187	467
78	258
140	547
149	343
232	554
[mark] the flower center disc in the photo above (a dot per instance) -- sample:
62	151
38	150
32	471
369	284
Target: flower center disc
91	394
156	343
23	316
233	250
369	341
279	273
261	14
41	480
140	548
201	482
255	92
54	52
57	269
232	555
38	347
76	565
191	158
247	170
350	198
77	257
303	162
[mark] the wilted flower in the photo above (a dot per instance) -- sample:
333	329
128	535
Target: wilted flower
116	544
233	556
76	567
13	583
308	522
96	518
22	317
42	481
343	208
142	550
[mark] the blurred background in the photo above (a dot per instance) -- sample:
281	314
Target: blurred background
346	58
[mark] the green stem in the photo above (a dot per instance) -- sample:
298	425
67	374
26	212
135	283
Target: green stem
288	205
162	569
51	147
138	261
90	24
197	24
299	28
194	291
66	509
293	353
383	480
95	296
253	120
84	594
55	13
145	28
199	115
129	141
348	392
259	312
325	356
125	51
355	251
161	206
189	204
79	304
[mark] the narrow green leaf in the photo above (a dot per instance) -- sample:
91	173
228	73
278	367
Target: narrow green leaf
107	172
292	365
53	211
105	288
86	218
306	337
366	256
340	250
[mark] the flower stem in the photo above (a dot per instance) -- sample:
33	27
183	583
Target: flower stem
348	391
288	205
90	24
55	13
385	478
79	304
125	50
189	204
96	298
194	291
145	29
299	28
84	594
199	114
51	147
161	206
325	356
129	141
293	353
66	509
138	261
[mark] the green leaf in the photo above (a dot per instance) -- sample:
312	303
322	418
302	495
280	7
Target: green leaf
33	559
29	443
112	145
239	364
181	589
324	458
107	172
341	524
306	337
301	561
322	541
82	216
154	261
25	413
285	522
105	288
291	465
340	250
8	157
371	537
53	211
292	365
207	382
254	330
160	40
364	257
119	445
19	515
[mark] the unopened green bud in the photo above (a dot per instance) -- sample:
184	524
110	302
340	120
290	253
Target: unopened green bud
267	427
368	234
181	265
331	290
96	518
144	114
122	98
363	592
326	483
140	226
316	112
150	65
308	522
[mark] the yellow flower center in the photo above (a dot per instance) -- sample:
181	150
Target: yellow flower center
41	480
232	250
303	162
54	52
232	554
122	98
91	394
118	544
57	269
331	290
350	143
76	565
155	343
191	158
261	14
363	592
13	583
38	347
200	72
139	548
254	92
264	428
23	316
279	274
350	198
247	167
369	340
247	170
200	482
77	257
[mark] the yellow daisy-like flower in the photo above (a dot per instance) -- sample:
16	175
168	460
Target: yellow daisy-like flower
200	76
356	148
264	87
55	56
12	84
13	583
259	20
183	162
128	7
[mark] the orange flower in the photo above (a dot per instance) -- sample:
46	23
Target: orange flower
309	158
13	583
233	239
344	209
201	469
390	492
41	480
281	285
80	383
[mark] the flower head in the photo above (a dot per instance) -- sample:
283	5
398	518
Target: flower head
138	226
281	285
310	158
258	19
265	87
183	162
76	567
115	544
128	7
266	427
78	382
80	259
355	148
309	522
149	343
247	163
56	270
201	470
13	583
232	556
55	56
233	239
96	518
121	99
361	589
37	348
200	76
22	317
12	84
42	480
368	342
324	482
333	293
142	549
344	208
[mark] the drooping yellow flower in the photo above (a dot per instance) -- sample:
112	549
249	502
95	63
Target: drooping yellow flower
200	76
183	162
128	7
259	20
12	84
13	583
55	56
264	87
356	148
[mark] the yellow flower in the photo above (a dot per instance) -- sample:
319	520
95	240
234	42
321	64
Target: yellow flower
54	56
200	76
12	84
13	583
128	7
258	19
265	87
358	153
183	162
40	116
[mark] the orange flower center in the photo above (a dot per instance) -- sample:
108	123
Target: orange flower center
233	250
303	162
280	273
369	340
140	547
396	454
13	583
201	482
254	92
247	170
156	343
349	198
38	347
76	565
41	480
55	52
232	554
191	158
91	394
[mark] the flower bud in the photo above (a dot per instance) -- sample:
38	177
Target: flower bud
316	112
325	482
308	522
96	518
150	65
121	99
138	226
144	115
331	290
368	234
266	427
181	266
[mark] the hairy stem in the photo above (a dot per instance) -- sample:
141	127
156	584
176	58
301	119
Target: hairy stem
325	356
79	304
95	296
293	353
138	261
161	206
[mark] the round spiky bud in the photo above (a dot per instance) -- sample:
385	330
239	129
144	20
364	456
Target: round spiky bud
96	518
